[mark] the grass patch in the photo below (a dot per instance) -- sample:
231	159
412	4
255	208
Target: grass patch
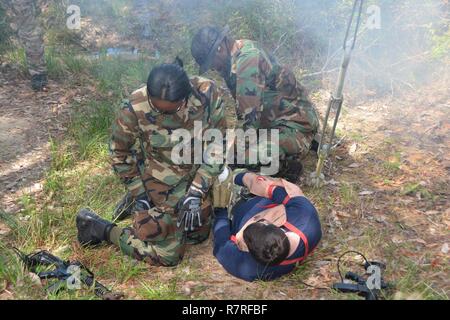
416	189
109	263
64	64
393	164
411	285
40	224
61	155
320	196
126	268
356	136
90	129
10	267
159	290
348	194
121	76
16	56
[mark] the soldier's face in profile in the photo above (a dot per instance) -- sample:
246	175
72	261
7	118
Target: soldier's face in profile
220	60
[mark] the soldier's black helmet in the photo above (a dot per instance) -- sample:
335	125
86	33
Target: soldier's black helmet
204	45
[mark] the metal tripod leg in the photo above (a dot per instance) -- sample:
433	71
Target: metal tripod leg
317	178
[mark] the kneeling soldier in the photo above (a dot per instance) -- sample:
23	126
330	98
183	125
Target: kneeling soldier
267	94
162	191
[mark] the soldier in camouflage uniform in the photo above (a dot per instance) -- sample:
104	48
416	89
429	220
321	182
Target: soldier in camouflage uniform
267	94
141	148
143	16
31	36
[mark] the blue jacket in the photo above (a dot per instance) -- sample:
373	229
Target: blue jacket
300	213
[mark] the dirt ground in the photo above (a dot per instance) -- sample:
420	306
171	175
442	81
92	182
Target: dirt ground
28	121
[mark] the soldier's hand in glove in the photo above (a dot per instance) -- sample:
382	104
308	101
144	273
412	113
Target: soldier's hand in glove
189	210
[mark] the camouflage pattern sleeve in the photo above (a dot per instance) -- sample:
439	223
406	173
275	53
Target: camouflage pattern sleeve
215	119
217	109
250	85
122	150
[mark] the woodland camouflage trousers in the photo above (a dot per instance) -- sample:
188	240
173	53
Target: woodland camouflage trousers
30	33
154	236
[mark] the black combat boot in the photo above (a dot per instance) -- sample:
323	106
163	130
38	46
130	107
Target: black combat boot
39	82
92	229
290	170
314	146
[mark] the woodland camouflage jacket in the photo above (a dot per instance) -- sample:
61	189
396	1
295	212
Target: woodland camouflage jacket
141	144
267	94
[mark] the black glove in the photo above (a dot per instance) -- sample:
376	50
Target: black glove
189	210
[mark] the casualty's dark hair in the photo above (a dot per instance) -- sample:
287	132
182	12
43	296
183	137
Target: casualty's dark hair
268	244
169	82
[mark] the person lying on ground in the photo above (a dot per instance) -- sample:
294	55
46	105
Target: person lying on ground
270	232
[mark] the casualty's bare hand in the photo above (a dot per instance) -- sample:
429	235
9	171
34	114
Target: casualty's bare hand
291	189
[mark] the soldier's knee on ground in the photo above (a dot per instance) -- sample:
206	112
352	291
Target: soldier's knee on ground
153	225
168	252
